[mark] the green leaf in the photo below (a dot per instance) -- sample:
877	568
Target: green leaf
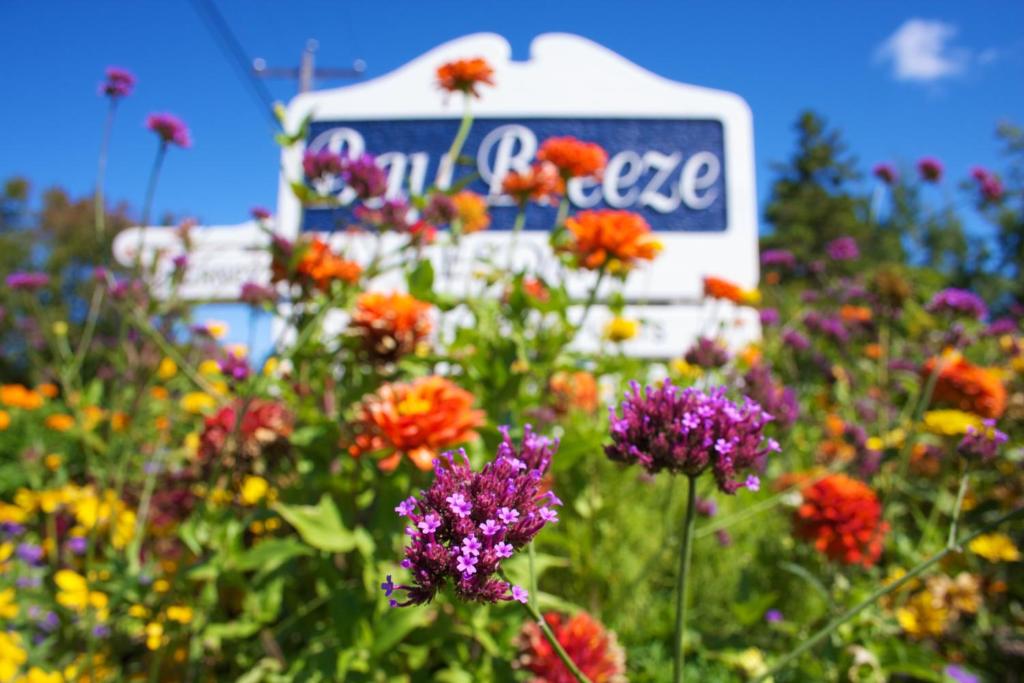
319	525
421	280
395	625
270	554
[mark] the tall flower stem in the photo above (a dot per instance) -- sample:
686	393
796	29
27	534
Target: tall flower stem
592	298
559	650
880	593
101	172
961	492
685	552
531	553
517	228
563	212
460	138
147	206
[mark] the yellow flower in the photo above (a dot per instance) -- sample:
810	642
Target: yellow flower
995	547
621	329
154	635
60	328
73	593
138	611
161	585
923	616
270	366
53	461
167	369
684	369
37	675
209	368
5	420
197	402
950	422
254	489
6	550
217	329
8	607
12	655
59	422
11	514
191	444
180	613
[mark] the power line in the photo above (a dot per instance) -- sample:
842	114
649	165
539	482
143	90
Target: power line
233	50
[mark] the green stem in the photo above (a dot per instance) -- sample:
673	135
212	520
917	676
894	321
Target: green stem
563	211
559	650
951	540
685	552
147	206
532	555
880	593
592	298
460	136
98	208
517	228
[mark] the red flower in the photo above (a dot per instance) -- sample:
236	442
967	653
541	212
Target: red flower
463	75
593	649
574	158
540	183
843	517
263	431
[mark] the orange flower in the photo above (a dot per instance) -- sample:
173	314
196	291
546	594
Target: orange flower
391	325
471	210
589	645
48	389
19	396
607	237
574	390
541	184
59	422
463	75
720	288
843	517
417	419
873	351
574	158
855	314
966	386
322	266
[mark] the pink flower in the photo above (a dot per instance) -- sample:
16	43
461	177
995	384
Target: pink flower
885	172
170	128
930	169
119	83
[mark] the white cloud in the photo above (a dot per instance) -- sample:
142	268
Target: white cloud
922	50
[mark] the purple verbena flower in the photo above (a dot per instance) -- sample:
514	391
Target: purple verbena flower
778	258
260	213
462	543
982	444
256	294
406	507
930	169
321	164
769	317
26	281
364	176
780	401
843	249
885	172
30	553
170	129
440	209
958	302
726	438
707	353
119	83
795	340
520	594
773	616
235	365
960	674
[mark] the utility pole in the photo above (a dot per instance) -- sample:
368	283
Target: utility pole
307	73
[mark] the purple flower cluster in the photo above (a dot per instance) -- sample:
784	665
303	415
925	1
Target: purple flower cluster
982	444
440	209
392	215
27	281
260	213
1001	326
769	316
235	366
795	340
707	353
830	327
843	249
364	176
119	83
930	169
958	302
256	294
989	184
687	431
170	129
319	165
885	172
467	522
780	401
778	258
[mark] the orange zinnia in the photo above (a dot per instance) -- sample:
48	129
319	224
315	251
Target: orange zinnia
843	517
855	314
966	386
574	391
463	75
471	210
19	396
607	237
322	266
417	419
540	183
720	288
574	158
391	325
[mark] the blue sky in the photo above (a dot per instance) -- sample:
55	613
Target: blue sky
950	72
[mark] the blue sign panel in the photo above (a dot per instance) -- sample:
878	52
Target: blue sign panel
672	172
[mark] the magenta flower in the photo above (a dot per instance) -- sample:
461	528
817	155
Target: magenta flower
707	353
256	294
321	165
120	83
170	129
364	176
467	522
843	249
930	169
885	172
778	258
982	444
688	432
260	213
958	302
235	366
26	281
990	186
